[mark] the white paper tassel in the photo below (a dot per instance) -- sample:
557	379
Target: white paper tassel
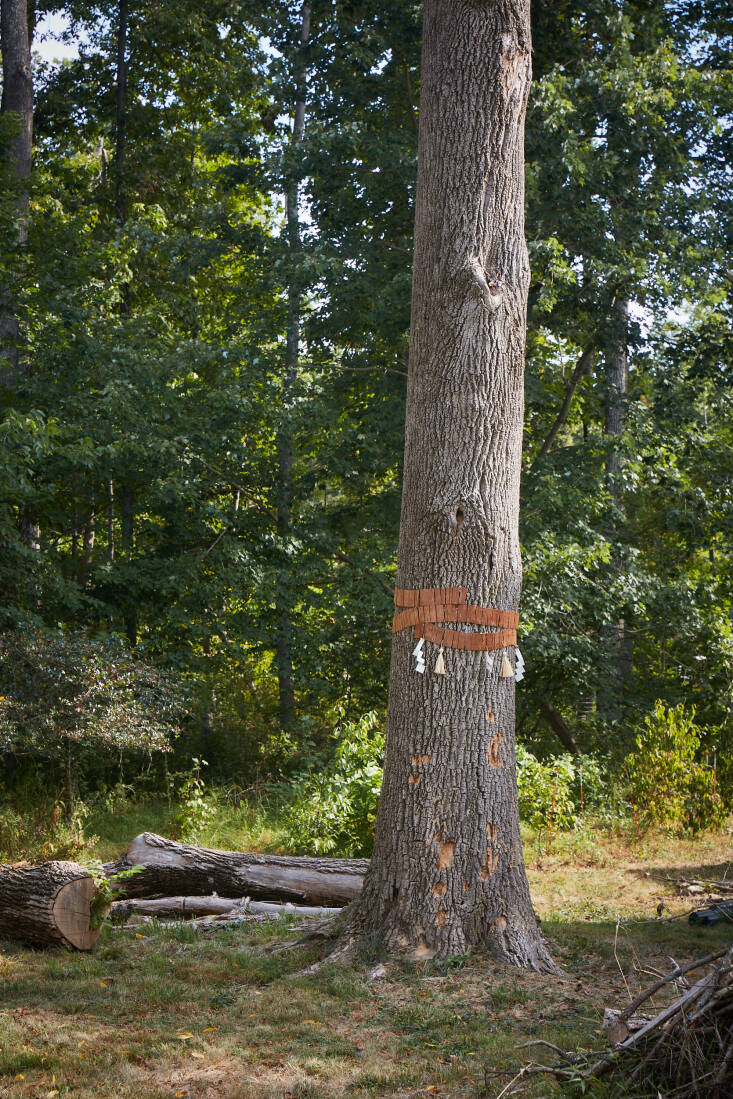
506	668
519	672
419	655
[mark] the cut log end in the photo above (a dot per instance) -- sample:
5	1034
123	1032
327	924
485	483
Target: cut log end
48	905
71	914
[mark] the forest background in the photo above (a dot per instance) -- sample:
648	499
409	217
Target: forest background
200	446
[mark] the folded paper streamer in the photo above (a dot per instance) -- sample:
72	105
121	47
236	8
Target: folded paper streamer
427	606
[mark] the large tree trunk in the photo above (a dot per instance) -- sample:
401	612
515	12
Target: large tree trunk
17	99
48	904
447	871
283	645
178	868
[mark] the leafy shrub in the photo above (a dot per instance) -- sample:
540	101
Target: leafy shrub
334	812
59	689
546	788
671	789
196	808
43	831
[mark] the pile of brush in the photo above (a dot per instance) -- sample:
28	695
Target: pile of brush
686	1049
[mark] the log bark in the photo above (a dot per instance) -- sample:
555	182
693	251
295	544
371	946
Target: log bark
214	906
179	868
47	904
447	871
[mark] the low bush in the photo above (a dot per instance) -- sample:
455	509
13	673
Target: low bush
671	787
334	812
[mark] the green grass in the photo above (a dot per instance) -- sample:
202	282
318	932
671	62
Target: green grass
159	1010
151	1013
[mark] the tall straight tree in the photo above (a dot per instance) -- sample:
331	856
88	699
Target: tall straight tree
448	871
17	101
283	649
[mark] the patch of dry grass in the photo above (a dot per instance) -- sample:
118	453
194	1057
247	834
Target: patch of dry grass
163	1011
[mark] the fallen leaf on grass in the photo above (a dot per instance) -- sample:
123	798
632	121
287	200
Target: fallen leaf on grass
184	1035
313	1022
195	1053
208	1029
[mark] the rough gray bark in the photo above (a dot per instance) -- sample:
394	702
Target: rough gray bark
17	99
48	904
283	645
179	868
447	871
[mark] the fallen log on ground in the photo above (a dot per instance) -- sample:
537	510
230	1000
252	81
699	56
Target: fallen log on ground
179	868
48	904
163	907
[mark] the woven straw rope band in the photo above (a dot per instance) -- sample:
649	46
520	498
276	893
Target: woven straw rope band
429	605
470	642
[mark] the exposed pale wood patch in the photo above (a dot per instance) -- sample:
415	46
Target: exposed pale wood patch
446	851
493	753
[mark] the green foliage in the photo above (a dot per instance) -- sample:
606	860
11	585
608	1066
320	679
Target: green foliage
62	689
41	830
546	790
335	810
196	808
140	476
106	890
671	788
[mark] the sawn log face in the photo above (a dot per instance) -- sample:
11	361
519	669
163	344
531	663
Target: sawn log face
47	904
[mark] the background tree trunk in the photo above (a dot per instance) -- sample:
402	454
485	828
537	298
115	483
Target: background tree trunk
448	870
620	643
283	648
17	99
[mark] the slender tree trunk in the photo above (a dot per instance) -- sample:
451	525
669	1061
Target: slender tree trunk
121	112
448	870
283	651
128	545
127	494
17	100
620	642
88	537
110	521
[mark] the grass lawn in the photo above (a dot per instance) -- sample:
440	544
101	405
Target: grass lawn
159	1011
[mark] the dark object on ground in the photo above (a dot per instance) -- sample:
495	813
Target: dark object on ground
46	905
181	869
714	913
